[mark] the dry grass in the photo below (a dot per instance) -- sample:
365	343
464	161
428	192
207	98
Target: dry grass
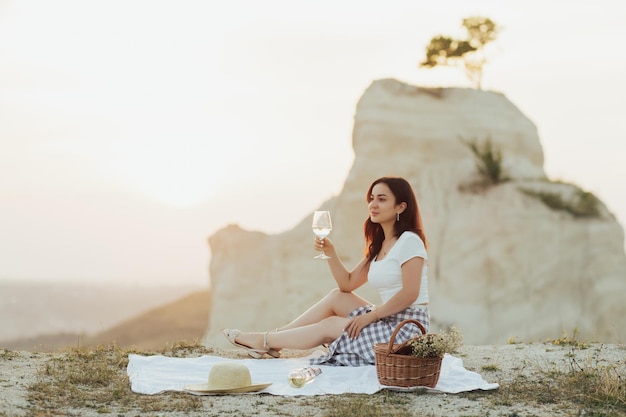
85	378
95	380
591	385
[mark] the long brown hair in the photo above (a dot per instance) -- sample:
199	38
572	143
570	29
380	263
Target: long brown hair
410	218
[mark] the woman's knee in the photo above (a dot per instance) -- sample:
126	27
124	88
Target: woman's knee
343	303
335	292
333	296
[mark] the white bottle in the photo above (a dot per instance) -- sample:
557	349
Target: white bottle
302	376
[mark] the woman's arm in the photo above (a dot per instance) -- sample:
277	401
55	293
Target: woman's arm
347	281
411	284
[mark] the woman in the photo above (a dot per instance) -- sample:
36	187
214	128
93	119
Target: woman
394	263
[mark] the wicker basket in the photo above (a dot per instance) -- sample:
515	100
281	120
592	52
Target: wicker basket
396	366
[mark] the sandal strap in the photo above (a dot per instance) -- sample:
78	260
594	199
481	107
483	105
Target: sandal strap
265	341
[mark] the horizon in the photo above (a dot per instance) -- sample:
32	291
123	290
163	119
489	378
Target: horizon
132	131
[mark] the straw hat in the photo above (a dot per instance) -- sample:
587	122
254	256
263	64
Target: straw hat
228	377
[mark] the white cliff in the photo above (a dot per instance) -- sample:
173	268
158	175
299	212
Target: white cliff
502	264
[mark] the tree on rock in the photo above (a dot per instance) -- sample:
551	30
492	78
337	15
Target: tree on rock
444	50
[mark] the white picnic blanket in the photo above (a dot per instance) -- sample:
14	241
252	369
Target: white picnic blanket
157	374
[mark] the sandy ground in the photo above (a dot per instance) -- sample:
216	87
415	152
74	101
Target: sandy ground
503	364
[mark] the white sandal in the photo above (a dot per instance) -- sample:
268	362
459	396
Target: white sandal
274	353
231	335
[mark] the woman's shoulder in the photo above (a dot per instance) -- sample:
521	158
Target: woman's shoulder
410	236
407	234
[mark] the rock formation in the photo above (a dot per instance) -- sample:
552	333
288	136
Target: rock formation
505	260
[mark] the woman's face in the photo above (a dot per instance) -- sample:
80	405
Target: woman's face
382	205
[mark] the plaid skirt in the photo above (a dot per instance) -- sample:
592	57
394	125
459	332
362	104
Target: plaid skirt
360	351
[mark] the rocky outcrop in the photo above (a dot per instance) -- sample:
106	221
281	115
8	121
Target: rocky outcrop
504	260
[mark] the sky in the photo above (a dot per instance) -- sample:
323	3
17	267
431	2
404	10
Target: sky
130	131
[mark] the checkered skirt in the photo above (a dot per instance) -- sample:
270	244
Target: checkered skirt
360	351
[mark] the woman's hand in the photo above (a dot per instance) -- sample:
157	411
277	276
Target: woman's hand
357	324
323	245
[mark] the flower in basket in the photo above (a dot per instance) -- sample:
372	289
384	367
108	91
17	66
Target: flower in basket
436	344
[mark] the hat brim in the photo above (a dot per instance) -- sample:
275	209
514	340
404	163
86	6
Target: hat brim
206	389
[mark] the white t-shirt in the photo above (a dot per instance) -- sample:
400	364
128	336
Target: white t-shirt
386	275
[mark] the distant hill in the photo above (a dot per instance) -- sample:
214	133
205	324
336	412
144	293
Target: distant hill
183	319
33	309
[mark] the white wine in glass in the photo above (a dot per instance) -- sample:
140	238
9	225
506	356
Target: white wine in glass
321	228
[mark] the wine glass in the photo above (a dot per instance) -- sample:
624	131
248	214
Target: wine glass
321	228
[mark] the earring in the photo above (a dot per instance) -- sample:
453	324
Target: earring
397	217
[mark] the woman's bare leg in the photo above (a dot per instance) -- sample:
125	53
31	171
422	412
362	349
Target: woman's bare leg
321	323
305	337
335	303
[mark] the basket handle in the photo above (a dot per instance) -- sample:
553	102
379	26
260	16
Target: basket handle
397	329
